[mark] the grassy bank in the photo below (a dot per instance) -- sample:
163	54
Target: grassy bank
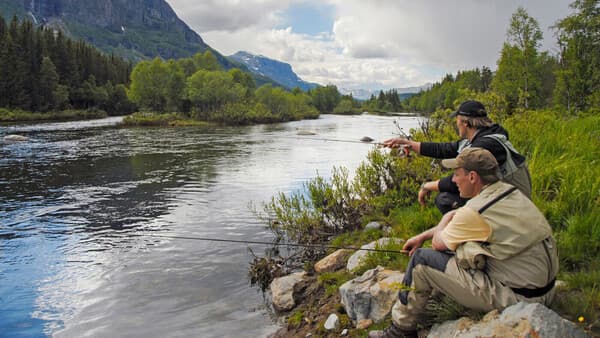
562	153
161	120
229	114
10	115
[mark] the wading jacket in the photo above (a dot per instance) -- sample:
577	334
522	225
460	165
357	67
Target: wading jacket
451	150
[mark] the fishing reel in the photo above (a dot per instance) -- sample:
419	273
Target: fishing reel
402	151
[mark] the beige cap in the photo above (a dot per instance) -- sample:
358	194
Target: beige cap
474	159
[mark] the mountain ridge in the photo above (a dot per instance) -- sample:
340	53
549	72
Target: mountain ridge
279	71
132	29
365	94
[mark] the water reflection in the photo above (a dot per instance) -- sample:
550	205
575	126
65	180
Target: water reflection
75	198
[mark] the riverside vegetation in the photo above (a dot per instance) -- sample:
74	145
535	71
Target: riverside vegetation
549	106
563	161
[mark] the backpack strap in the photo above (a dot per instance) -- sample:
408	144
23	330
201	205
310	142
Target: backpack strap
509	165
496	199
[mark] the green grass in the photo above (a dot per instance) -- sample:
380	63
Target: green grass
16	115
295	319
332	281
161	119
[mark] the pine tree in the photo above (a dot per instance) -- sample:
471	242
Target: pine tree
15	69
47	84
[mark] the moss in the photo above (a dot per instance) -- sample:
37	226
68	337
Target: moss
295	319
332	281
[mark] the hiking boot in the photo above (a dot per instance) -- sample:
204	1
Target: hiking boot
393	332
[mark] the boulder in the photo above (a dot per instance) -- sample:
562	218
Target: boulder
519	320
372	295
366	139
283	289
333	262
355	260
305	132
15	138
332	322
373	225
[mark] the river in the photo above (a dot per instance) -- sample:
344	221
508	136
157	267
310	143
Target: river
76	198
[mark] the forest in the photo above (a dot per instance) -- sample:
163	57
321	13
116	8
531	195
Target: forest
41	70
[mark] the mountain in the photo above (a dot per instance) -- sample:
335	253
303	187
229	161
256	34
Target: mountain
279	71
133	29
365	94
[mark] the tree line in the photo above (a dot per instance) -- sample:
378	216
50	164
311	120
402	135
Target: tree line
199	88
41	70
527	78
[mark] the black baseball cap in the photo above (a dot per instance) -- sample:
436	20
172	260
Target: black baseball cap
470	108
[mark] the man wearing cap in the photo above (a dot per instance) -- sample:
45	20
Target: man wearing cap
493	252
475	130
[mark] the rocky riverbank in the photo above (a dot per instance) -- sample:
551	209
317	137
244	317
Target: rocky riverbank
309	308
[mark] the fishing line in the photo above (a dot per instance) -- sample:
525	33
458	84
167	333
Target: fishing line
322	246
331	140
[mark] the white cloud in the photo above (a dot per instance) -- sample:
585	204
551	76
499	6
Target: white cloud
228	15
372	44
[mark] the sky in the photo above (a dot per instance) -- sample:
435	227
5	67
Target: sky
368	44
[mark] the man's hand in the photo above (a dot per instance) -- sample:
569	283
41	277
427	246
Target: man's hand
424	193
396	142
413	243
406	144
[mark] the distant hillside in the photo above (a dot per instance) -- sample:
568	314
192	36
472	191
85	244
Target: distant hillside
365	94
133	29
279	71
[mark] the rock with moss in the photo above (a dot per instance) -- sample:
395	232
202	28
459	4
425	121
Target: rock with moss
519	320
372	295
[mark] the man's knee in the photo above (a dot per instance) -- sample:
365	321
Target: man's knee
446	201
432	258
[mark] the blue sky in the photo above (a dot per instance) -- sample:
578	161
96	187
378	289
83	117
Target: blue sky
308	18
378	44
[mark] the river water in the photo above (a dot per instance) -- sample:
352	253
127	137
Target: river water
76	198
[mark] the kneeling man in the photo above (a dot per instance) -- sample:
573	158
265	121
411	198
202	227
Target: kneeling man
494	252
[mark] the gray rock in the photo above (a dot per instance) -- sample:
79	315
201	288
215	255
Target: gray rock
519	320
344	332
333	262
332	322
305	132
372	295
373	225
15	138
282	290
356	259
366	139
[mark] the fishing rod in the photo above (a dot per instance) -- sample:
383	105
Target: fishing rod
404	152
321	246
333	140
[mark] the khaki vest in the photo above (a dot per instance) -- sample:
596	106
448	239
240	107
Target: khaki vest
521	252
509	172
